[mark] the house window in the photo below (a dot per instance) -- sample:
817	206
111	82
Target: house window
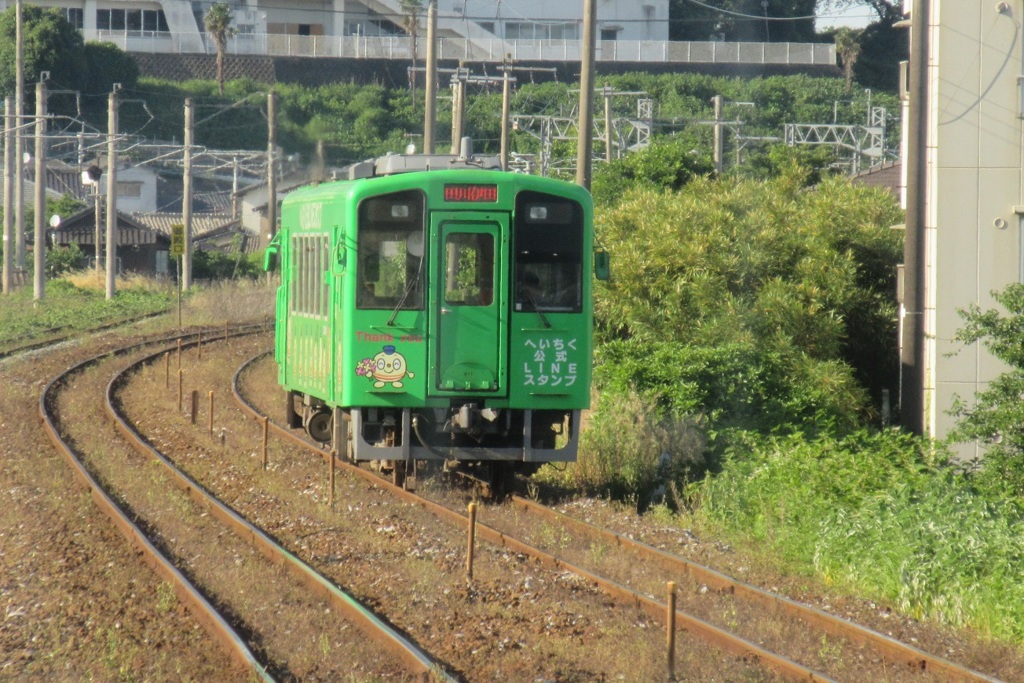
129	189
609	34
75	17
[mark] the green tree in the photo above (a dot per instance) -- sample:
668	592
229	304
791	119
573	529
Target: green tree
848	50
996	415
807	275
218	24
50	44
667	163
742	20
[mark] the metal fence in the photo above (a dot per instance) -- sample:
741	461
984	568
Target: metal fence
400	47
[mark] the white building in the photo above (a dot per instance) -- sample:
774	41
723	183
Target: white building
974	190
474	30
510	20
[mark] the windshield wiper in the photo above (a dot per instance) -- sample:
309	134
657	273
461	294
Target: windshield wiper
408	290
536	309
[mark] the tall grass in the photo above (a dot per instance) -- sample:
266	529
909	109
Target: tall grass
632	449
882	514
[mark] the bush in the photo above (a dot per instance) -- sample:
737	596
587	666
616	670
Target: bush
736	386
632	448
996	416
883	513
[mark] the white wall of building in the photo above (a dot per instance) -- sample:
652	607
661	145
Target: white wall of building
973	233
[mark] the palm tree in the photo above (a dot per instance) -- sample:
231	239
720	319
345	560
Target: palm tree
411	10
218	24
848	50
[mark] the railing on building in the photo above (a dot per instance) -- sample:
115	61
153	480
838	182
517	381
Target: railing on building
400	47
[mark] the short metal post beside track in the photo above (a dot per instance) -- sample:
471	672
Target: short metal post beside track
181	374
266	433
330	497
167	370
199	345
226	330
670	630
211	412
179	354
195	405
472	540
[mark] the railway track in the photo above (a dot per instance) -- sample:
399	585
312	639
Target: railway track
171	519
516	620
737	617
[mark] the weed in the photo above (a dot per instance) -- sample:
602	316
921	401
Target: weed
166	598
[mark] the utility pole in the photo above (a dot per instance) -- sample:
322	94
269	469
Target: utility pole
112	190
234	188
19	145
39	251
8	193
506	101
719	148
271	170
458	106
607	124
585	144
912	352
430	92
186	198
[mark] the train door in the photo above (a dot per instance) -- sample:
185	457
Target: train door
469	325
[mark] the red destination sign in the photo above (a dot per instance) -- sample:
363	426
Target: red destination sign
471	193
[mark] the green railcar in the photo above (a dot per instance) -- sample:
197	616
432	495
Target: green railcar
437	314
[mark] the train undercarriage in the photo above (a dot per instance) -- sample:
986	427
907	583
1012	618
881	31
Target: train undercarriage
485	445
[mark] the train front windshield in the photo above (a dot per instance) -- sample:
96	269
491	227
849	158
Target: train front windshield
548	253
390	245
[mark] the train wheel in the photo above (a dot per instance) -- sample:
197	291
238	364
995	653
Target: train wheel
319	426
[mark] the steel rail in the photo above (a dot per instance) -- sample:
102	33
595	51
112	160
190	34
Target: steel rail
186	591
418	662
53	341
889	648
652	608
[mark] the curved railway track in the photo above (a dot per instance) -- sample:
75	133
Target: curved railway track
140	532
875	656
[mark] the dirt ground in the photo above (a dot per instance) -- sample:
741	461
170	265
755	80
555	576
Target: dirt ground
78	604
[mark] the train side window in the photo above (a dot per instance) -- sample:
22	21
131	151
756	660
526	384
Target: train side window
469	269
548	240
390	247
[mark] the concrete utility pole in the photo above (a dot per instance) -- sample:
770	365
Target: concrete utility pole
19	145
506	103
585	144
39	250
458	106
271	169
719	148
8	193
430	92
112	191
912	353
607	123
186	197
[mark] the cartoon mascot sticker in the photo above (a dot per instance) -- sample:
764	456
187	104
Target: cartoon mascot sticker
387	367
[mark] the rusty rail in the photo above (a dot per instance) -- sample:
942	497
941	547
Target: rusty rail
889	648
211	619
418	662
652	608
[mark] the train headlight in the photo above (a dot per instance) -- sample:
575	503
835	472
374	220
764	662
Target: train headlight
538	213
399	210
